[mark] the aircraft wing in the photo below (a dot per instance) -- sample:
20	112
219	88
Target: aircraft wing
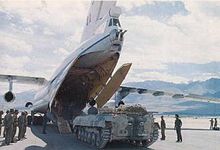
123	91
22	79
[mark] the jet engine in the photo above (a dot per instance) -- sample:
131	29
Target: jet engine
9	96
28	104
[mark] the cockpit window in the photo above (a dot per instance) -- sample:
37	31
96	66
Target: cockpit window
114	22
110	22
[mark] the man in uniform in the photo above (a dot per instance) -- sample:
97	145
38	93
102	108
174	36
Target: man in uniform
25	124
45	120
15	124
1	113
4	128
92	110
211	123
8	123
215	124
178	125
21	125
163	127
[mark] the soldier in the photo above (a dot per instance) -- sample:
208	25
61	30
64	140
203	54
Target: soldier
15	124
4	128
121	103
92	110
21	125
1	113
211	123
25	124
45	120
8	123
178	125
163	127
215	123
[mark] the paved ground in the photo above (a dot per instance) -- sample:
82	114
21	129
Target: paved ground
192	140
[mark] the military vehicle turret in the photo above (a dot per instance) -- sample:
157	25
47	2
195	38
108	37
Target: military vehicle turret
131	124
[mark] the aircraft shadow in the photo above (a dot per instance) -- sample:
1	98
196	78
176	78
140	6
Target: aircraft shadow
37	131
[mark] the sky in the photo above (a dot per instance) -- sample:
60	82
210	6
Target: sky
175	41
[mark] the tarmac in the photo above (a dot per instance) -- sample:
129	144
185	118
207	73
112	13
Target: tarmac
35	140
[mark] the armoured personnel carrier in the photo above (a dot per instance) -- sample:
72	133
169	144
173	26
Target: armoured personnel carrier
129	124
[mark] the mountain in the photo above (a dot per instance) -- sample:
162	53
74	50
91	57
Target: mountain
167	105
163	104
209	87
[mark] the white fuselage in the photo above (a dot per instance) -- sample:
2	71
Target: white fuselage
90	53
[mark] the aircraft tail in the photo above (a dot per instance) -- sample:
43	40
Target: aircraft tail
99	12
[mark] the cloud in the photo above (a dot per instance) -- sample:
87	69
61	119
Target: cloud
159	34
60	17
192	38
16	64
159	10
61	51
12	43
200	8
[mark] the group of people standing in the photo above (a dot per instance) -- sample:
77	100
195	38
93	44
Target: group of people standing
11	122
177	127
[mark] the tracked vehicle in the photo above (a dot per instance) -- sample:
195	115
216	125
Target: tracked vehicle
130	124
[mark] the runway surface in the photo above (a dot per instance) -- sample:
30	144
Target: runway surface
35	140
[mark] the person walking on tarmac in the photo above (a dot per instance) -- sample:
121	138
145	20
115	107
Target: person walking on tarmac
1	113
162	127
92	110
178	125
8	123
15	124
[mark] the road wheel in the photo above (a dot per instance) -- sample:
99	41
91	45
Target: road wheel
78	134
88	138
144	143
93	139
98	140
85	136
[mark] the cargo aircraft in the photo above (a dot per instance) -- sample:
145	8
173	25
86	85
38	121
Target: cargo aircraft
87	73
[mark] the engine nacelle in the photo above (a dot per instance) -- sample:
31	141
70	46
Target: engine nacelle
28	104
9	96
